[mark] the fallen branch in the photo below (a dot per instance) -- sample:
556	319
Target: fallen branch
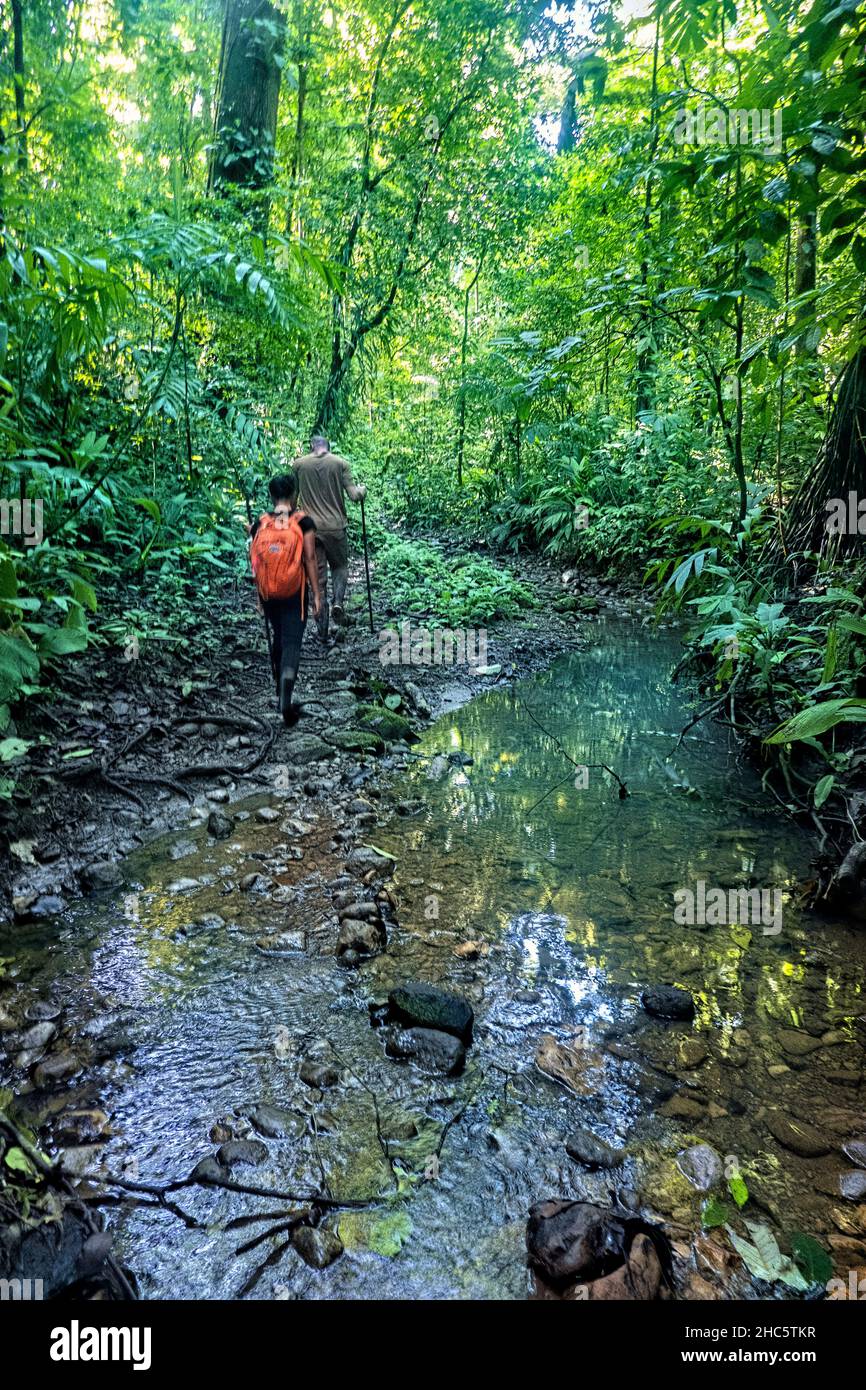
623	789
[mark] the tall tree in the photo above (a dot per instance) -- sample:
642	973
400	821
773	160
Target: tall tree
250	72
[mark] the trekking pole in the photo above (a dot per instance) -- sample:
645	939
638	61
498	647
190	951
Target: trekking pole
367	563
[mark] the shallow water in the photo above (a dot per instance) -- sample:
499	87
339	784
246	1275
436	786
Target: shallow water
568	897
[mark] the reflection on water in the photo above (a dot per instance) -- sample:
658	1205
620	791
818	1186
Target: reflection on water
530	887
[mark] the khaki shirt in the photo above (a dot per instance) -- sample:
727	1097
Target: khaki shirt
323	481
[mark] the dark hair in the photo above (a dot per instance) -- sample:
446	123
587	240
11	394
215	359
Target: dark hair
318	439
284	485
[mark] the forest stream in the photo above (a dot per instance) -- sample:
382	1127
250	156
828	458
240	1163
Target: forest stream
548	909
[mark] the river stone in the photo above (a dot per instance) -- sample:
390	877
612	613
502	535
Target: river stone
275	1123
37	1036
360	938
388	723
701	1165
586	1148
567	1239
855	1149
798	1044
638	1280
320	1075
267	814
796	1135
284	943
308	748
101	874
46	905
363	911
41	1011
428	1048
219	825
57	1068
425	1006
667	1001
852	1185
237	1153
367	857
317	1247
356	741
208	1170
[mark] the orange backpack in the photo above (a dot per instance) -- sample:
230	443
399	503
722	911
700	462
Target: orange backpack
277	555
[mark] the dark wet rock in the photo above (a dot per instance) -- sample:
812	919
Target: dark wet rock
208	1170
855	1149
104	873
36	1037
681	1107
308	748
318	1074
667	1001
575	603
239	1153
39	908
429	1049
796	1135
691	1053
366	857
42	1011
79	1127
586	1148
637	1280
285	943
255	883
797	1044
276	1123
566	1240
219	795
317	1246
55	1069
425	1006
527	996
226	1128
219	825
364	911
852	1185
361	938
701	1165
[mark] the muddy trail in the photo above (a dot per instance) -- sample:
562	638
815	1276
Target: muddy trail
379	1023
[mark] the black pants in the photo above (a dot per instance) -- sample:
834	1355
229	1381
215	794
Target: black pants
287	625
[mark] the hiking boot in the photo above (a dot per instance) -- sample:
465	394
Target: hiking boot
291	715
287	683
338	613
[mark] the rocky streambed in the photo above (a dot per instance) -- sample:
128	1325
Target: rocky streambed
438	1034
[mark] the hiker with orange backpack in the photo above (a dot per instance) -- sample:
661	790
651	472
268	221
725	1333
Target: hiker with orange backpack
283	558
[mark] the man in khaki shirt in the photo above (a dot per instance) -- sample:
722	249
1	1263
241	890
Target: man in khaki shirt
324	481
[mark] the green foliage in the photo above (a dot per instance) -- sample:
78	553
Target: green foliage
418	581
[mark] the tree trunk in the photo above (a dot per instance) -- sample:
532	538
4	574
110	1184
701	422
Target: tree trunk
18	70
839	471
644	394
248	95
464	346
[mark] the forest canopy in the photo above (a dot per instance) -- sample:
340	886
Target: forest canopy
581	279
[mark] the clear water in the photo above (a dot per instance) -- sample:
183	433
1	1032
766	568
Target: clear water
569	900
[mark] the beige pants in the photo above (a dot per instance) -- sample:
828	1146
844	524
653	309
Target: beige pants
332	553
